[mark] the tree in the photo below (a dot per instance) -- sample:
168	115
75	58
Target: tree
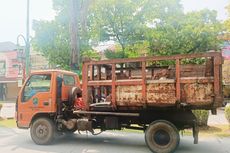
227	22
156	27
118	21
138	27
53	38
193	32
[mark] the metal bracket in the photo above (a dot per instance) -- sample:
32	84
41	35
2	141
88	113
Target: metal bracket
195	131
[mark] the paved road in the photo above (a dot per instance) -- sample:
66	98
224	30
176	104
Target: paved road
19	141
217	119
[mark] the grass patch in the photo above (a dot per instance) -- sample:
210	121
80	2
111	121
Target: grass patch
210	131
10	123
132	130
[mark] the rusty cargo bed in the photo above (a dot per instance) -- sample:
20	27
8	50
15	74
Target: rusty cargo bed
153	82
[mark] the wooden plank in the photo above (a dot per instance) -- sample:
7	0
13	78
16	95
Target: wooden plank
128	82
91	69
85	85
161	81
113	86
217	81
196	79
100	83
178	79
144	82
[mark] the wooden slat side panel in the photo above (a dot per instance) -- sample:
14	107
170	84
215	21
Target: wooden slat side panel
198	93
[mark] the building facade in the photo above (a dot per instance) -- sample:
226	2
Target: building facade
10	71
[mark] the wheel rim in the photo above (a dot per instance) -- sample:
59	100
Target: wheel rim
161	137
41	131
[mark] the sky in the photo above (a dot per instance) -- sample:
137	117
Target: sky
218	5
13	17
13	14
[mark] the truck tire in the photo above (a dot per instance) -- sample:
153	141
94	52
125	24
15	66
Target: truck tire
73	93
162	137
42	131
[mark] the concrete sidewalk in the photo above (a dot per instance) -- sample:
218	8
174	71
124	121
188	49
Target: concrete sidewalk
8	110
218	119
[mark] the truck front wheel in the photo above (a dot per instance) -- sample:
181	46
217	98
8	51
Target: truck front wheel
162	137
42	131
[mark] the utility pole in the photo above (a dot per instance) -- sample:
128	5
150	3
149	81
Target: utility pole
74	36
22	56
27	40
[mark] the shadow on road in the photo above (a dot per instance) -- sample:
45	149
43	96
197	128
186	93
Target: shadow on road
111	141
106	142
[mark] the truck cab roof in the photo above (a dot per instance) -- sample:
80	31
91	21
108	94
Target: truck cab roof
53	70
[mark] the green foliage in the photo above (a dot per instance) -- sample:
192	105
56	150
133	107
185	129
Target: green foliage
193	32
52	40
114	54
202	117
117	20
1	106
138	27
227	113
227	22
138	49
9	123
91	54
193	61
163	24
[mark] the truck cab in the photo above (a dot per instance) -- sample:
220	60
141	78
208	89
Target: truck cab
39	94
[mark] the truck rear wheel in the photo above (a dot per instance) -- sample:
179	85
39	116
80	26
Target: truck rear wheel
162	137
42	131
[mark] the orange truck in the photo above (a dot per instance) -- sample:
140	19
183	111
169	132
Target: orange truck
153	94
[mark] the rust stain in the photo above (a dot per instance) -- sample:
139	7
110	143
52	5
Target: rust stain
197	93
165	93
156	93
130	94
161	93
226	72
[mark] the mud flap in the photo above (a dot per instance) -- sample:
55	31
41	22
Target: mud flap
195	131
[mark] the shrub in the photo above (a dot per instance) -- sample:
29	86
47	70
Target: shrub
202	117
227	113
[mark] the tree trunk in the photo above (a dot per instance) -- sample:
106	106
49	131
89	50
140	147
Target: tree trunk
74	35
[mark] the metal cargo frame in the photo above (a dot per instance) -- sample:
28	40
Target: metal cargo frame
88	64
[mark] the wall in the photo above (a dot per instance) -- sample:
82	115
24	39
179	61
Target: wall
10	58
11	74
12	91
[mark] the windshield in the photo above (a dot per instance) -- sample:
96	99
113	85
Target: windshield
36	83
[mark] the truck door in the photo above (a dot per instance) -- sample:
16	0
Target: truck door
68	82
35	97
